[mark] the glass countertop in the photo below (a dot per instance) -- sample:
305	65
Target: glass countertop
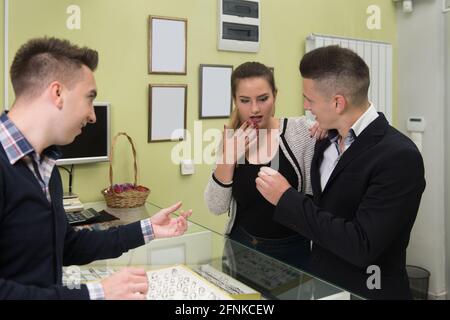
239	271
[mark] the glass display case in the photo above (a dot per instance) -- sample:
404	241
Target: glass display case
203	264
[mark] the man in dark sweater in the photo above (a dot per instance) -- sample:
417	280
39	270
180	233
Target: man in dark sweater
367	180
55	88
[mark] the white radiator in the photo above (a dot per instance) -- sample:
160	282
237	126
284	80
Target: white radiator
377	55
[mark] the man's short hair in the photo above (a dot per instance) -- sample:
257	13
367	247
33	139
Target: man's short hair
337	71
41	61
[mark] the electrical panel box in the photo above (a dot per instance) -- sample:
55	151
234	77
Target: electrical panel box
239	25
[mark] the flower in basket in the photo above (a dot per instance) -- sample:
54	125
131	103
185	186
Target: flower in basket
141	189
124	187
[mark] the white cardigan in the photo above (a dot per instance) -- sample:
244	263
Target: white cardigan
297	146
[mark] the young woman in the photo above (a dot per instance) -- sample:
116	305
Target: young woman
285	144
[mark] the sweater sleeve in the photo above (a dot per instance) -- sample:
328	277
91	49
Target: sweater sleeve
307	153
302	145
11	290
84	246
218	196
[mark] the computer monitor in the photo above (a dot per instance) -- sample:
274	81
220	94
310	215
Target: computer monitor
93	144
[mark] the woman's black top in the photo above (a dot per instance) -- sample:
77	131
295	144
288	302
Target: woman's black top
254	212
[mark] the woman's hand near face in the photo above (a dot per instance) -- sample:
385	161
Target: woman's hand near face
235	145
317	132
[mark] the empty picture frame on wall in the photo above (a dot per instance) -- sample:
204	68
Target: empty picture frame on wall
167	40
215	91
167	112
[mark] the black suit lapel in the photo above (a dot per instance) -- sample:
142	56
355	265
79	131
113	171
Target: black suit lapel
319	149
369	137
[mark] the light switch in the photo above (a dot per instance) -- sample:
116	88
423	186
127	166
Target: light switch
416	127
187	167
415	124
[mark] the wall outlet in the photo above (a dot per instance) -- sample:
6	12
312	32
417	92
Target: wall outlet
187	167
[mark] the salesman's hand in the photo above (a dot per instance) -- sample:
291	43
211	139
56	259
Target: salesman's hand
126	284
271	184
164	226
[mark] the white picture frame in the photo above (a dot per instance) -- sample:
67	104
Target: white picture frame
215	91
167	112
167	45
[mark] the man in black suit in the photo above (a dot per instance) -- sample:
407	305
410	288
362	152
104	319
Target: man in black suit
367	178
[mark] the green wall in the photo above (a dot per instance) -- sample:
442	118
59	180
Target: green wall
118	30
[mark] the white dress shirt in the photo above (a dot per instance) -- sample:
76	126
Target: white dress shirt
332	154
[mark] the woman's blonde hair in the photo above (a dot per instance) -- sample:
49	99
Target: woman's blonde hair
245	71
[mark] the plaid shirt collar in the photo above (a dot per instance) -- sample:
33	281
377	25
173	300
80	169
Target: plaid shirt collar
17	146
333	135
370	115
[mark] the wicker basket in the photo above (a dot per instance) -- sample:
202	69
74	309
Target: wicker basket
132	195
